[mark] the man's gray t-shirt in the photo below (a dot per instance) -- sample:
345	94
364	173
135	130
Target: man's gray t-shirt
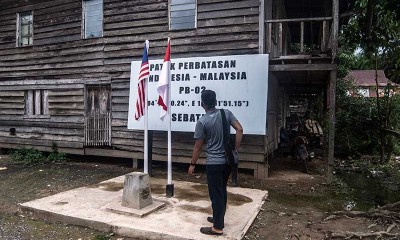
209	128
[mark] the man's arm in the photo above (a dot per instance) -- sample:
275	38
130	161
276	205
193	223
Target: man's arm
196	154
239	133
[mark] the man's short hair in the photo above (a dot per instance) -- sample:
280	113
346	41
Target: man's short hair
208	98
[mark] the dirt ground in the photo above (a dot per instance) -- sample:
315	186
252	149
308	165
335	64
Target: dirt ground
296	206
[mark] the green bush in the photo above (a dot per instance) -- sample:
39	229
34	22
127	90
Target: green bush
55	155
32	156
27	156
356	121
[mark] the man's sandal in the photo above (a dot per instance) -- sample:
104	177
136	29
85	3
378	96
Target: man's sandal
210	219
209	231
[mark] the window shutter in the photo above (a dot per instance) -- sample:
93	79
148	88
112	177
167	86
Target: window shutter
93	18
183	14
25	29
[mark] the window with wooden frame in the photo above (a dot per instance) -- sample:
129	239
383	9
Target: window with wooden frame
92	24
24	29
36	103
182	14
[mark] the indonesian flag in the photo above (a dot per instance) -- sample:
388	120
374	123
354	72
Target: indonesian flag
164	83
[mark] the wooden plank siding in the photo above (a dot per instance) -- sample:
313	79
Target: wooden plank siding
63	128
62	62
223	28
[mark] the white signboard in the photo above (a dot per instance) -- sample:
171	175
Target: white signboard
240	82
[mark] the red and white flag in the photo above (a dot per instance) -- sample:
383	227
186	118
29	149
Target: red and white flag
164	83
143	75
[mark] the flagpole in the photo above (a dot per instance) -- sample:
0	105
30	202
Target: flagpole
146	121
169	140
170	186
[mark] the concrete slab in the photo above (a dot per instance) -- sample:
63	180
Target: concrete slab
181	218
118	208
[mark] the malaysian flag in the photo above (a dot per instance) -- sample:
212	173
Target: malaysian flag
143	74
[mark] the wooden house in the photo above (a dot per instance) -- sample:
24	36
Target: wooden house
65	66
365	81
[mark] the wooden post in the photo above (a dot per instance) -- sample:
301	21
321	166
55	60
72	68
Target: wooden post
332	90
37	102
261	29
332	119
29	103
268	16
45	102
109	128
312	36
302	37
323	41
335	29
262	171
269	37
280	43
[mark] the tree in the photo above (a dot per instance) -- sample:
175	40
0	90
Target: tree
356	115
375	29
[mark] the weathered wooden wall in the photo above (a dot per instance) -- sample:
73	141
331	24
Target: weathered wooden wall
65	127
223	27
61	61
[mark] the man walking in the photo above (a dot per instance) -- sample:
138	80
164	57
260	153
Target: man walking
209	128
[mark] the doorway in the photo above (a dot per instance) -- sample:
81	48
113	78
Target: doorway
98	116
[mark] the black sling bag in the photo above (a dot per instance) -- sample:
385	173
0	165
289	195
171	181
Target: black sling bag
231	153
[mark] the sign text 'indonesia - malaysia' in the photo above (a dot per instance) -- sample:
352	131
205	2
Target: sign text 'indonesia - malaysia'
204	65
240	82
